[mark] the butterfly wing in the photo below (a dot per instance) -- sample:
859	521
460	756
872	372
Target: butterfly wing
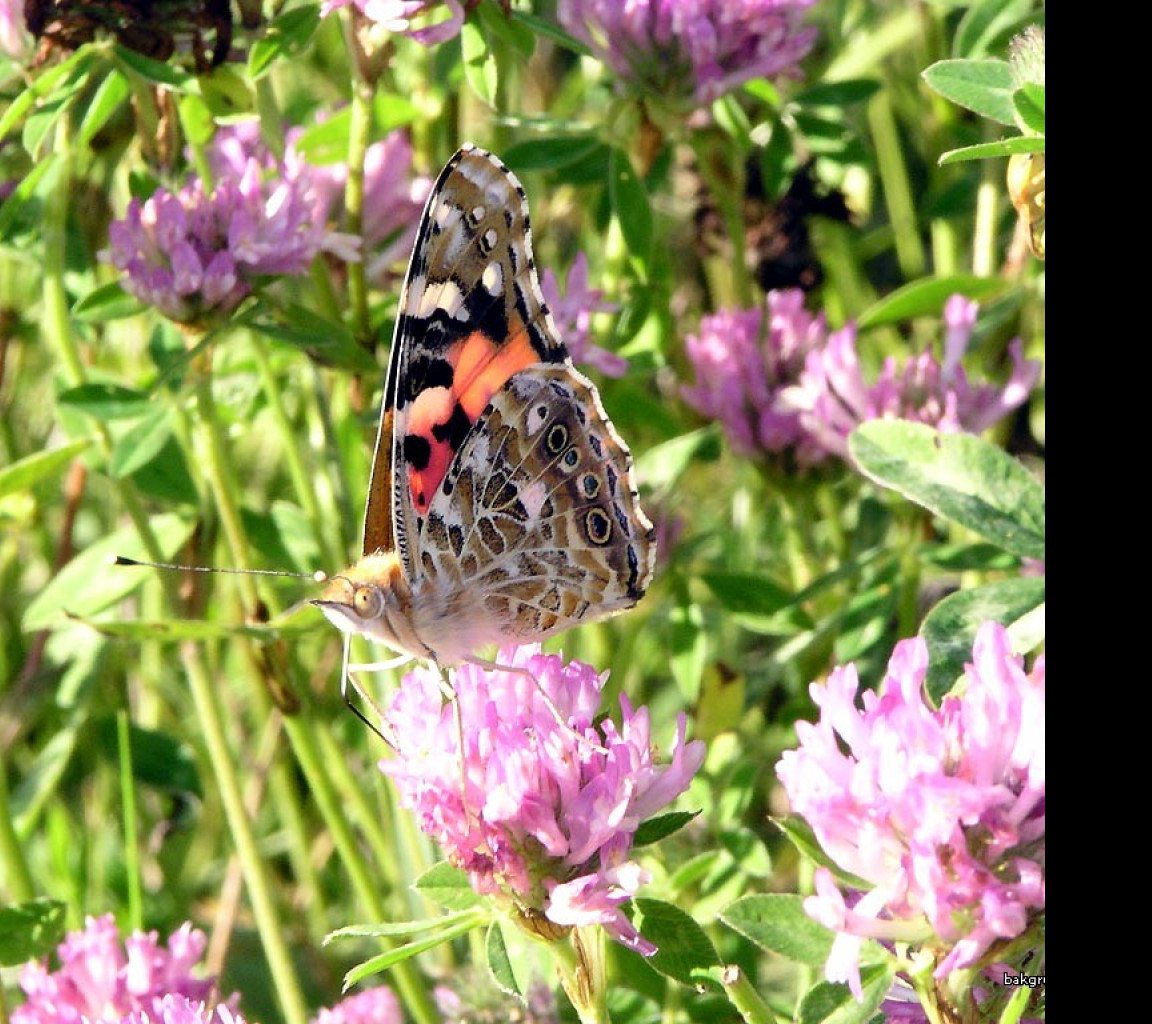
471	316
537	521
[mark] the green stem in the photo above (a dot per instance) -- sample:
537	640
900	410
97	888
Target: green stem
579	962
359	130
984	229
273	935
301	478
908	599
728	195
897	188
745	998
412	989
18	880
131	837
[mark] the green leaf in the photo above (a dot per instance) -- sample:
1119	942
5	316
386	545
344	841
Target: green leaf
800	834
447	886
958	476
832	1003
662	465
550	30
327	341
986	25
500	964
155	71
285	36
88	584
171	631
629	201
141	443
684	947
226	92
462	924
1029	103
77	64
987	150
38	183
25	473
400	929
506	33
30	931
390	111
326	142
108	302
687	648
480	67
746	593
660	827
777	922
550	152
838	94
949	629
926	297
105	101
105	402
159	759
984	86
968	557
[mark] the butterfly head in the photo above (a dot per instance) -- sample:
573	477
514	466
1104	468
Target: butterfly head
372	598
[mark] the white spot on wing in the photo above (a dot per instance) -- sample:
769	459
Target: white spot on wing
493	278
445	296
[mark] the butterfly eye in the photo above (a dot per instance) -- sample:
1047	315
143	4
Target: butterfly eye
368	602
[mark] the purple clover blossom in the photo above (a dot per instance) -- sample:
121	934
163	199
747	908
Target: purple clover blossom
372	1006
832	398
942	812
14	38
573	317
692	50
195	255
407	17
182	1010
103	980
534	811
743	360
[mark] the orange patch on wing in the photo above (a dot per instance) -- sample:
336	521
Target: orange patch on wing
483	366
431	408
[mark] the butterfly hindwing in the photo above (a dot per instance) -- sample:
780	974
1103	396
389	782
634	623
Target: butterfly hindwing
538	518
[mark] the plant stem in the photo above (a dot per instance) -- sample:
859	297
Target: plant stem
273	935
18	881
131	838
359	130
745	998
897	188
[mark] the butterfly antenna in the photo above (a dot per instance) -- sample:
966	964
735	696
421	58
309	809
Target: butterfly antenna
317	577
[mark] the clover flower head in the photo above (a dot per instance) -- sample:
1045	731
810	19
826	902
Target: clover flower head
102	980
743	359
195	254
419	19
539	813
691	51
372	1006
941	811
832	397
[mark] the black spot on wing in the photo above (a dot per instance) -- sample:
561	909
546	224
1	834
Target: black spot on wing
417	451
455	430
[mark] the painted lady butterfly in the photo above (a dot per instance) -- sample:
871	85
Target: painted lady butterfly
501	507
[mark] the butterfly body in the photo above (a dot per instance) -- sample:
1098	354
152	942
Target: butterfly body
502	507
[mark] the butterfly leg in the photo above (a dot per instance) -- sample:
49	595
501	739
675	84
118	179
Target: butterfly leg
347	680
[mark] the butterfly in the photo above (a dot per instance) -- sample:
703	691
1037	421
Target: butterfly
501	506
